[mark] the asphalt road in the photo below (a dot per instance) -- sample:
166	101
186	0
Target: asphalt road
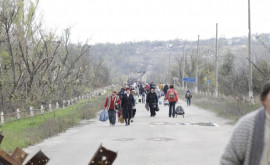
147	141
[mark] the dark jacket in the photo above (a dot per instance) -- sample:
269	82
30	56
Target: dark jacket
151	85
127	102
142	90
188	95
121	93
165	89
151	98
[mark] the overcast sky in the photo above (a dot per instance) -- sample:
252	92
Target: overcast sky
119	21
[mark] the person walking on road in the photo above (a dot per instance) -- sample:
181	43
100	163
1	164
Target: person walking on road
250	141
152	101
188	97
143	93
135	102
121	93
127	106
112	104
137	90
172	97
160	86
147	88
152	85
165	89
157	91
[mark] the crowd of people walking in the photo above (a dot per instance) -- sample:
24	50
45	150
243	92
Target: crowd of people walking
250	141
124	102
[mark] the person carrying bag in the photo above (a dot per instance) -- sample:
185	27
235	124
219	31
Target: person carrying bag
112	104
152	101
128	106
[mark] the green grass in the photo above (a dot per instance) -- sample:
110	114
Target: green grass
224	107
25	132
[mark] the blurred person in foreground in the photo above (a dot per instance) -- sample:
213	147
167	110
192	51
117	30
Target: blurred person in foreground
250	141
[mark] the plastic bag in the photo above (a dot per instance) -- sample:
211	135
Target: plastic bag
147	106
160	101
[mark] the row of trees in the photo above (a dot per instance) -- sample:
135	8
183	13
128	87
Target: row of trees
233	67
163	61
36	65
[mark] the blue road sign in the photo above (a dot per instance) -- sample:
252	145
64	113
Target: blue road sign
189	79
208	81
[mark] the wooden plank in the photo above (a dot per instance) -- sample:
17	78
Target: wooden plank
39	159
6	159
103	156
19	155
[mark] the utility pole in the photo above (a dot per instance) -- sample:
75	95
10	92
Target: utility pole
198	44
169	60
169	67
250	85
184	67
208	91
216	88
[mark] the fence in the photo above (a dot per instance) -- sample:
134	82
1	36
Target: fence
5	118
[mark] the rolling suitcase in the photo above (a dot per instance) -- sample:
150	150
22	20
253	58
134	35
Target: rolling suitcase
179	111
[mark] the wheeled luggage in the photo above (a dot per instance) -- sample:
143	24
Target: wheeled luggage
179	111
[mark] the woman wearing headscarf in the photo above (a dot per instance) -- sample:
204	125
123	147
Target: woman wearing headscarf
250	141
152	101
121	93
127	106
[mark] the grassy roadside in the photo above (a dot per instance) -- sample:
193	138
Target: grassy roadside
25	132
224	107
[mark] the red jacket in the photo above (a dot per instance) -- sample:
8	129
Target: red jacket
112	102
175	93
147	87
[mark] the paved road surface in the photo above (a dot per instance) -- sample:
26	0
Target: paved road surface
147	141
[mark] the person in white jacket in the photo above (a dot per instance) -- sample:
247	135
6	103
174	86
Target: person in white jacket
157	91
135	102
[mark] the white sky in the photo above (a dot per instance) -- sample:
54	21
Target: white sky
118	21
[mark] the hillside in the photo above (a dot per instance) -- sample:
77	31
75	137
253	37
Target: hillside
155	57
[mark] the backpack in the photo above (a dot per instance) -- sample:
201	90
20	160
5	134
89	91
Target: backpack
171	94
188	94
